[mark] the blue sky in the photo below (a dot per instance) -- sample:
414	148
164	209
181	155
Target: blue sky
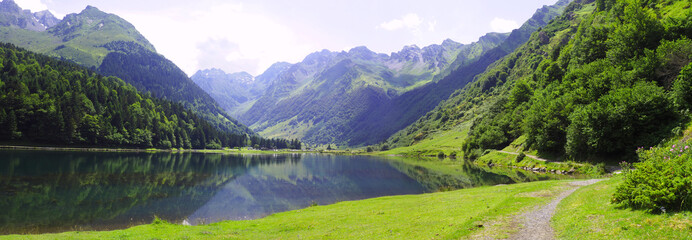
243	35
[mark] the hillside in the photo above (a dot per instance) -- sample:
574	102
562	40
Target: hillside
390	117
361	97
46	101
113	46
603	79
320	98
78	37
236	92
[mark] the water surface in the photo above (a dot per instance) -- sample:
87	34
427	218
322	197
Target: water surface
43	191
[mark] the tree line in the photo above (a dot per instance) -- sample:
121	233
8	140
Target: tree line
47	101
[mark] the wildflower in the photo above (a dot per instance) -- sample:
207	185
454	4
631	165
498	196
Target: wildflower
673	146
687	147
663	209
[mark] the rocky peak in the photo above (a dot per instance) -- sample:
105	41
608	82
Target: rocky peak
242	77
318	57
272	72
46	18
408	53
9	6
362	52
216	74
449	43
12	15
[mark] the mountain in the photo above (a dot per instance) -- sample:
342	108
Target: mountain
361	97
598	82
389	117
235	91
111	45
322	94
11	15
79	37
47	101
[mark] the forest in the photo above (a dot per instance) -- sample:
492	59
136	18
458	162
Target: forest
600	81
47	101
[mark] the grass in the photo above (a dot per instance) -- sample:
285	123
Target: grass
444	215
588	214
444	141
509	160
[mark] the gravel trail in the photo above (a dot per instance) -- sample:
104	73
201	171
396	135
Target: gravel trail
536	224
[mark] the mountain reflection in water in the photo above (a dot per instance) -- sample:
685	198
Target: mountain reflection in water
62	191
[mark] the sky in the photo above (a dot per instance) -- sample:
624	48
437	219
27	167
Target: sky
250	35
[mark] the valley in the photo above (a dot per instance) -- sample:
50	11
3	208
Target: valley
104	137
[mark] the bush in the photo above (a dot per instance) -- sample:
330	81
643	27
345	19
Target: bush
621	121
384	147
682	88
441	155
660	182
520	157
453	155
473	154
369	149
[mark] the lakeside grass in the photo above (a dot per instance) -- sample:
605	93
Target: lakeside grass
588	214
443	215
443	141
156	150
464	214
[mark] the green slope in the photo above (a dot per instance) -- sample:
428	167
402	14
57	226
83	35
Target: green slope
322	99
112	45
78	37
47	101
597	82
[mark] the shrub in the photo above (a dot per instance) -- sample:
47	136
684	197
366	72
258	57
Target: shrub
520	157
660	182
441	155
384	147
620	121
369	149
453	155
473	154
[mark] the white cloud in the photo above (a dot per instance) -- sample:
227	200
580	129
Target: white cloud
37	6
228	37
503	25
411	21
34	5
432	25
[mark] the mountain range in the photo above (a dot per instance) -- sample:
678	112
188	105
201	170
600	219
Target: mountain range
112	46
599	81
360	97
349	98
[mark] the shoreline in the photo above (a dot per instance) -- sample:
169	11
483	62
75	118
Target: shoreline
156	150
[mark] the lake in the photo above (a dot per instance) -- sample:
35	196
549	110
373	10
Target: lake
45	191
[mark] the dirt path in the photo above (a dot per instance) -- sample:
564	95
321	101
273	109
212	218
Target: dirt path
536	224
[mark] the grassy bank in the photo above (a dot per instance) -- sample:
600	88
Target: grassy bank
447	142
152	150
511	159
462	214
441	215
588	214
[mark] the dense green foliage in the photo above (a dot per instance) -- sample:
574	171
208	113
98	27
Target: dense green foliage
424	99
150	72
597	82
660	182
53	102
98	40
